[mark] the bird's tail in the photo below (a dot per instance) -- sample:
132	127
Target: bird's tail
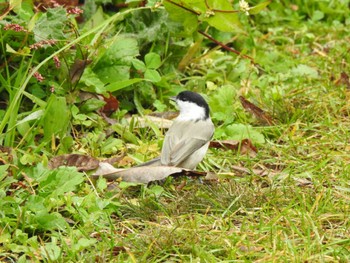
153	162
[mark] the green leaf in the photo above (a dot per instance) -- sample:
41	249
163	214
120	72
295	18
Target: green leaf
92	104
227	22
49	221
35	204
83	243
152	60
304	70
51	24
317	15
125	133
152	75
101	183
50	251
33	116
240	131
56	117
67	143
60	181
115	63
188	19
221	104
256	9
138	64
118	85
92	81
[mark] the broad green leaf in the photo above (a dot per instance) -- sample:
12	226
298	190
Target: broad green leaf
125	133
49	221
152	75
56	117
50	252
118	85
304	70
101	184
227	22
51	24
15	5
33	116
221	104
138	64
240	131
92	104
92	81
60	181
256	9
152	60
26	11
115	63
23	128
22	52
67	143
83	243
188	19
36	204
317	15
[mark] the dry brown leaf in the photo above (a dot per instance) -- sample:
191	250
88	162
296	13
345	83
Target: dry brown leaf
112	104
143	122
245	146
344	79
82	162
145	174
262	172
303	182
168	115
115	159
5	155
256	111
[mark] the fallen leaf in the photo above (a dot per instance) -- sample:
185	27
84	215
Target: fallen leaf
5	155
115	159
146	121
168	115
256	111
112	104
261	172
82	162
245	146
303	181
144	175
344	79
250	248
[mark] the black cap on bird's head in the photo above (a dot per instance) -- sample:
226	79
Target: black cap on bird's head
192	97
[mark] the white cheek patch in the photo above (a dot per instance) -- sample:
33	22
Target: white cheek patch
190	111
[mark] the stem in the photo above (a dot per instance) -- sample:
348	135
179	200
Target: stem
226	47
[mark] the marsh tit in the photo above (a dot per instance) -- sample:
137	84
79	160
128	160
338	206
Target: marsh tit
188	138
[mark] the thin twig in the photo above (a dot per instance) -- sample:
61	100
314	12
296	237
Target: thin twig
224	46
183	7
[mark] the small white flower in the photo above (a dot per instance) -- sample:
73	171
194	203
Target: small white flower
209	13
244	7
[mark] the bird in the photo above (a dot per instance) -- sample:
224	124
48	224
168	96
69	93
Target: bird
187	140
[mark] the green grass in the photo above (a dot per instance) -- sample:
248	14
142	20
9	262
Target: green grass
297	211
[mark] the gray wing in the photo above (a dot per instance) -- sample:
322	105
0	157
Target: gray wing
184	138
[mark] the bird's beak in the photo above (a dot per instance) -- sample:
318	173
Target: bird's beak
173	98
